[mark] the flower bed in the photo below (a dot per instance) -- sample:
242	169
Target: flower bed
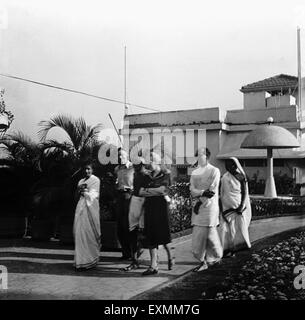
268	274
180	207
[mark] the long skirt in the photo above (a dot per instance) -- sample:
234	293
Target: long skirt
234	234
86	235
156	222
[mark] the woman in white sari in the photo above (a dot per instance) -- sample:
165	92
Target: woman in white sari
86	229
235	207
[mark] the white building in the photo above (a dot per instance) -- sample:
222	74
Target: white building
275	97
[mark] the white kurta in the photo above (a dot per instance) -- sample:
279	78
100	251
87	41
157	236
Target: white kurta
86	227
204	178
234	233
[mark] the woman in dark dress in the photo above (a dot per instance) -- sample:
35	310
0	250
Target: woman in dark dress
156	212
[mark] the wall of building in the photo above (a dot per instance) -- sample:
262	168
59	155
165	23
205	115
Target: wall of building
254	100
175	118
261	100
213	143
280	101
284	114
295	94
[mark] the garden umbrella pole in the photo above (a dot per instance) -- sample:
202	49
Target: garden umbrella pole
270	189
270	137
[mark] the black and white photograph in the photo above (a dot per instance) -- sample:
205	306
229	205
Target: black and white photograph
152	151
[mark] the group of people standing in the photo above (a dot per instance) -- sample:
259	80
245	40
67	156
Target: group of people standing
220	218
142	213
221	213
142	210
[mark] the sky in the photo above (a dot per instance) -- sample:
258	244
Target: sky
180	54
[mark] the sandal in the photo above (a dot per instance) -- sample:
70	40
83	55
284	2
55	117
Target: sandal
132	266
150	271
214	262
201	267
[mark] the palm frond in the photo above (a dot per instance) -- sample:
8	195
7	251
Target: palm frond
5	144
83	130
81	125
18	143
92	134
53	145
65	122
21	139
22	149
83	138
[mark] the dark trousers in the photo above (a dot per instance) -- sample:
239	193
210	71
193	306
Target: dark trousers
135	245
122	211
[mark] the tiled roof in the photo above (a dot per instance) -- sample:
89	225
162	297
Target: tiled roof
281	81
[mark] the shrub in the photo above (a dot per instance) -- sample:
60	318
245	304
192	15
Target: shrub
285	185
180	207
273	207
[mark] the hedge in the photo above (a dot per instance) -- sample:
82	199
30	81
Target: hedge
275	207
181	211
181	207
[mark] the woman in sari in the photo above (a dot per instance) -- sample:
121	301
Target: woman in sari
86	229
236	208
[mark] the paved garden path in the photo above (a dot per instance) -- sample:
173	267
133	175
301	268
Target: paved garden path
38	273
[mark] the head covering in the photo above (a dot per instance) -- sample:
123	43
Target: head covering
240	169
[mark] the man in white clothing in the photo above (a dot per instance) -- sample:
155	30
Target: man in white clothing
204	185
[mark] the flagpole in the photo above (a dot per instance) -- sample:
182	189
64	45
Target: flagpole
299	74
125	86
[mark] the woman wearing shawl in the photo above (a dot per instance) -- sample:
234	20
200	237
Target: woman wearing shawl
86	227
236	208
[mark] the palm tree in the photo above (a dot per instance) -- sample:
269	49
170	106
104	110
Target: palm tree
39	167
82	143
51	168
